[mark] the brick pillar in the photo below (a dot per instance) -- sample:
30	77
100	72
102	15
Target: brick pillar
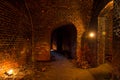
78	49
116	39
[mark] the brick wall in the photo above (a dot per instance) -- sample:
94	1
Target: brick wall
116	39
49	15
105	30
14	34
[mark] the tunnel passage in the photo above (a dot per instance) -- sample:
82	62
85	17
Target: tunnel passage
63	40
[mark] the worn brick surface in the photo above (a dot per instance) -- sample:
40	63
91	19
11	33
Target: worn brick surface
116	39
23	29
48	15
105	36
14	34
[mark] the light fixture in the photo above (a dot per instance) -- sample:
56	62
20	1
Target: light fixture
92	34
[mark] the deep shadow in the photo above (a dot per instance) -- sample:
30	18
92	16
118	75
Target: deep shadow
63	40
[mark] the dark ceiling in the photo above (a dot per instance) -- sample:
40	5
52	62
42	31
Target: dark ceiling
97	6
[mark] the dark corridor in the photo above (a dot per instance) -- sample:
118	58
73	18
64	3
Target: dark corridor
30	29
64	39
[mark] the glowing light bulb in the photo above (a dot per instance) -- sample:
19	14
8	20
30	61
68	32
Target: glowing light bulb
92	34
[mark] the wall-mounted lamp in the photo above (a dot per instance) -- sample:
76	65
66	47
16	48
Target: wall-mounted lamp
91	34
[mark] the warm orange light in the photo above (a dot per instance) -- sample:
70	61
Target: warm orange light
10	72
104	33
92	34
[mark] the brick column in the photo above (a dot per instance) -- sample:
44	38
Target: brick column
116	39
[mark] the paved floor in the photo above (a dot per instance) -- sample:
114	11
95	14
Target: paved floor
63	69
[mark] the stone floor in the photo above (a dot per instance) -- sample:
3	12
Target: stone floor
64	69
61	68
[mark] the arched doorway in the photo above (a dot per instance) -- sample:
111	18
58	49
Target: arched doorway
63	40
105	27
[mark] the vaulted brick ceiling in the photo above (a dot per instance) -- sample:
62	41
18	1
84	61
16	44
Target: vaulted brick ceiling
50	10
45	9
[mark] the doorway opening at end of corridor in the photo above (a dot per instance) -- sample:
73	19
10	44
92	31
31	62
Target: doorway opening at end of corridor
63	40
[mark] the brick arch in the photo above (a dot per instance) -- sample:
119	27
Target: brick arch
105	30
64	40
106	9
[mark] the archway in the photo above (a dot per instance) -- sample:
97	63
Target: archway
105	34
63	40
